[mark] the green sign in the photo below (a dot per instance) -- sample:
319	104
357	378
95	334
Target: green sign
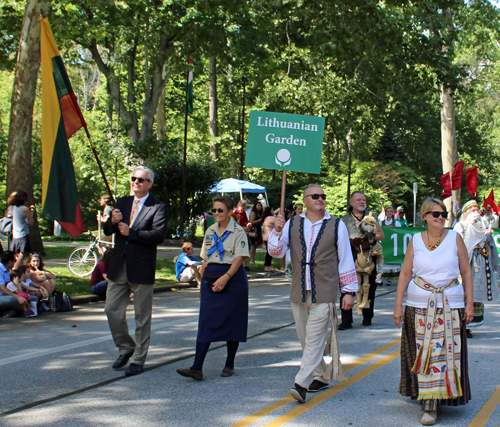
284	142
396	242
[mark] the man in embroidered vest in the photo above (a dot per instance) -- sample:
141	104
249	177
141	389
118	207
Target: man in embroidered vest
321	259
355	214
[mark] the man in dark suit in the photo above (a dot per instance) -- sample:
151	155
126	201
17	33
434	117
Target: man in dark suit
139	223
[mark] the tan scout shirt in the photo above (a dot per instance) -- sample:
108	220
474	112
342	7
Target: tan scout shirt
235	245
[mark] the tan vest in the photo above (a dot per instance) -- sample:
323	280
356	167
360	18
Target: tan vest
323	264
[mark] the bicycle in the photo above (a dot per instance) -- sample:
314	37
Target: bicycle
83	259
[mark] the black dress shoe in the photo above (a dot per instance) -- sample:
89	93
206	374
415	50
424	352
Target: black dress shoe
298	393
367	322
122	360
343	327
317	385
134	369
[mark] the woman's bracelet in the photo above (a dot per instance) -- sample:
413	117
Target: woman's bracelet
229	275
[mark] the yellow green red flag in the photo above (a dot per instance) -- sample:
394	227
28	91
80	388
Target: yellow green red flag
61	118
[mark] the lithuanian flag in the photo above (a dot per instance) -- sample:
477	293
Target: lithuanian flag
61	118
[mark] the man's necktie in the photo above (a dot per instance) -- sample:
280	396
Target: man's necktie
134	212
218	244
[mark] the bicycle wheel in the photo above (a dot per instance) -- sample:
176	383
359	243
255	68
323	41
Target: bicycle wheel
82	261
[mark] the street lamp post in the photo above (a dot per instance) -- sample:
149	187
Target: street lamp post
242	139
349	145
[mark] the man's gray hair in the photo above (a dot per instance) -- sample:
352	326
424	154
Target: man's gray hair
149	171
242	202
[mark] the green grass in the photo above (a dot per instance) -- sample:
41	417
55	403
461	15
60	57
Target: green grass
54	252
165	272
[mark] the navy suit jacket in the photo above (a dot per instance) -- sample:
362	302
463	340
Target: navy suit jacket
138	249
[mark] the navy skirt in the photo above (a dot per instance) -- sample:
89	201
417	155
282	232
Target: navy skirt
224	315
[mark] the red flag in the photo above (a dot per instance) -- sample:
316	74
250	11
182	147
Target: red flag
471	180
490	201
445	182
456	178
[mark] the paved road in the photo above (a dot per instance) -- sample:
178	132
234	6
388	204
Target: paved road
55	371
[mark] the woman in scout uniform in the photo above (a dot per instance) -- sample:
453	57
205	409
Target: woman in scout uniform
224	289
434	365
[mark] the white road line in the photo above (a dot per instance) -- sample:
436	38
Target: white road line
107	337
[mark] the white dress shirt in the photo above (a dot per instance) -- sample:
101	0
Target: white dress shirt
278	246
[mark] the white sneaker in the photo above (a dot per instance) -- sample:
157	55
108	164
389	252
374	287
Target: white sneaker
45	307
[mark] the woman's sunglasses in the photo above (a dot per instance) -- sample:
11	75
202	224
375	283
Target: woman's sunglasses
217	210
436	214
317	196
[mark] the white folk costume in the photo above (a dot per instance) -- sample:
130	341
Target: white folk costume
322	259
483	258
434	365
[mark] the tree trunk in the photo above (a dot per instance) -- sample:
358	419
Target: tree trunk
449	153
21	114
212	106
161	128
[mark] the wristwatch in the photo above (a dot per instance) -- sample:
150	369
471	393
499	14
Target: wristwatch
352	294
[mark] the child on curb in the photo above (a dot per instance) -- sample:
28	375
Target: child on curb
15	287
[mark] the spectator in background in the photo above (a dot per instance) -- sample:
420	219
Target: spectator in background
241	218
22	218
262	200
105	201
268	221
188	267
9	301
495	220
297	208
15	286
401	217
99	280
256	225
489	216
41	277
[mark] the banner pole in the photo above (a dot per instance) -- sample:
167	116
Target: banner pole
283	187
100	166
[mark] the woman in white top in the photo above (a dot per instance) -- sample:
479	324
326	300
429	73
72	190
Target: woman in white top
434	366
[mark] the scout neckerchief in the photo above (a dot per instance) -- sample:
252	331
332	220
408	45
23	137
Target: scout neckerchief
421	365
218	244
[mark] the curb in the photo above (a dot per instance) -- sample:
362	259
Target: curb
86	299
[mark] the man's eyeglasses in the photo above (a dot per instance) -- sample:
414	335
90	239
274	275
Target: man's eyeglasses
316	196
436	214
140	180
217	210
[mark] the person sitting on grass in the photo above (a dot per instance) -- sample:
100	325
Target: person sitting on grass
41	277
15	287
10	303
99	279
188	267
40	293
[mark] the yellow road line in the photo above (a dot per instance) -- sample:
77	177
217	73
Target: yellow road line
485	413
334	390
262	413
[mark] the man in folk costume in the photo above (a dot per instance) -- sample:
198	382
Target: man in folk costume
357	211
483	258
321	255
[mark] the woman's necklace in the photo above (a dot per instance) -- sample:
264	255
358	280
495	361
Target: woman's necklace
435	245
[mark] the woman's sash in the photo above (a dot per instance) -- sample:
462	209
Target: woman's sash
421	365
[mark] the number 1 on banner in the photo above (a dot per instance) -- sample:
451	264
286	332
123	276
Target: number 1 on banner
406	239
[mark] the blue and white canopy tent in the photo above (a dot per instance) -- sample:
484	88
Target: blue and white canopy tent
231	185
